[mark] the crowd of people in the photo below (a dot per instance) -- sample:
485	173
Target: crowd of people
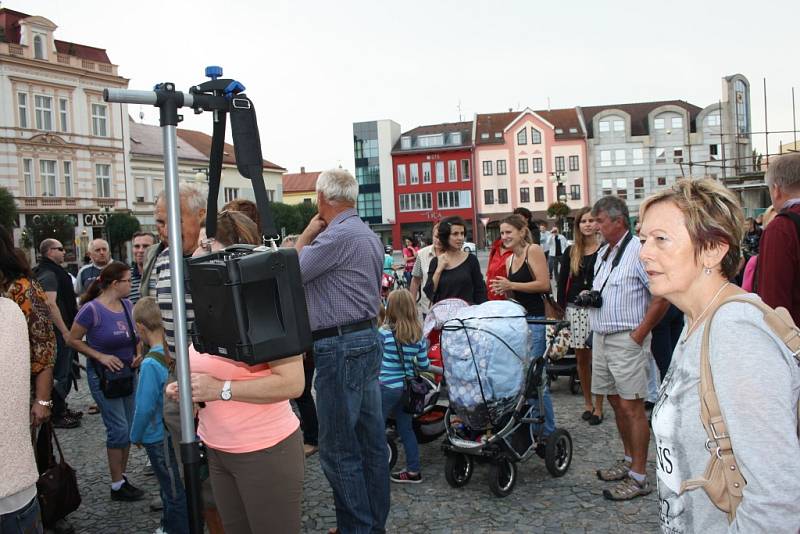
640	302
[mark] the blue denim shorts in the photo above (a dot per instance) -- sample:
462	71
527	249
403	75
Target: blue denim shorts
117	414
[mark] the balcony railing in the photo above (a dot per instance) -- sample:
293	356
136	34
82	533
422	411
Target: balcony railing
63	203
13	49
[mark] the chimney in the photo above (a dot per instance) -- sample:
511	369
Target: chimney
302	170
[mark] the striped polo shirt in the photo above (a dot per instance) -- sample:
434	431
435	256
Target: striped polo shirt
163	277
626	295
391	375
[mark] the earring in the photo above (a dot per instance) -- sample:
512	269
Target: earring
707	271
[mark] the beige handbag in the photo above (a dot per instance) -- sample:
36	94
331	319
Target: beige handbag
722	479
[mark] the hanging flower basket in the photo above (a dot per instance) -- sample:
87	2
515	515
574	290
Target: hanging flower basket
559	210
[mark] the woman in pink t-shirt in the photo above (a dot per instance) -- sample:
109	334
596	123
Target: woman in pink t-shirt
255	449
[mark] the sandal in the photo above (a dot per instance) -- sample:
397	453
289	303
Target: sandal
93	410
586	415
595	420
627	489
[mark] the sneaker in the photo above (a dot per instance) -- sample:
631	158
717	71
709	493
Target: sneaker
65	421
160	530
75	414
127	493
618	472
156	505
628	489
404	477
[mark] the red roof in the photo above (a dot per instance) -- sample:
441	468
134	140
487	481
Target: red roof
492	123
10	32
300	182
202	142
639	113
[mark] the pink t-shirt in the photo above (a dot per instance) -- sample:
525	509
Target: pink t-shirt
238	427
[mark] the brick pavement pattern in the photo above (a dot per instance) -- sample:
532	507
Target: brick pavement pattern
539	503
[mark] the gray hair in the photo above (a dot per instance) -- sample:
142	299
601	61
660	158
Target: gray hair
615	207
194	195
92	244
46	245
784	171
338	185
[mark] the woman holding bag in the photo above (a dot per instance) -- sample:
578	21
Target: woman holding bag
105	320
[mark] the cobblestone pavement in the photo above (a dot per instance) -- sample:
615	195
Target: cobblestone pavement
539	503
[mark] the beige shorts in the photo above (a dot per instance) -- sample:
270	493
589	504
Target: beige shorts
619	365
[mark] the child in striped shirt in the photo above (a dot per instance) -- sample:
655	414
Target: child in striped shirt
402	331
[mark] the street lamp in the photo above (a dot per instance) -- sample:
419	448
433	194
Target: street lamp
557	177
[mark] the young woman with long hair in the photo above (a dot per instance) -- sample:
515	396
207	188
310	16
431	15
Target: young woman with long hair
576	275
455	273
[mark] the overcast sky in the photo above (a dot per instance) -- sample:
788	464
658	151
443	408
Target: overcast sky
314	68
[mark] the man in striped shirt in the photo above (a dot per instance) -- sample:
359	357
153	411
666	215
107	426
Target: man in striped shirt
621	334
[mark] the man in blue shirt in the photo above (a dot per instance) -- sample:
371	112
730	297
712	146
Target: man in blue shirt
100	256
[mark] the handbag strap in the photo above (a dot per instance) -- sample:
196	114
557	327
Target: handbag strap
58	445
131	331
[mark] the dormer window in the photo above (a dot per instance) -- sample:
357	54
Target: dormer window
455	138
498	135
559	131
484	135
405	142
573	130
430	140
38	47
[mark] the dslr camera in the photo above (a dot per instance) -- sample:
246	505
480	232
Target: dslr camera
589	299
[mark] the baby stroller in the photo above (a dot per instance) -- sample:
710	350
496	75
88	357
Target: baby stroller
429	425
496	392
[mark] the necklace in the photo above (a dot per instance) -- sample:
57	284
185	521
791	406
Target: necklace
702	313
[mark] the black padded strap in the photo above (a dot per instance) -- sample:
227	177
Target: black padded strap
215	172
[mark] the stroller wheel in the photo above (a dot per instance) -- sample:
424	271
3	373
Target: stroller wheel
558	452
390	443
574	384
502	476
458	469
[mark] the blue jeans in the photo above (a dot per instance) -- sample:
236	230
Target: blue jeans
26	520
352	438
117	414
390	398
539	344
174	516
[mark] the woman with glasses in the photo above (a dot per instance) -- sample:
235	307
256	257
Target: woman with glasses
105	320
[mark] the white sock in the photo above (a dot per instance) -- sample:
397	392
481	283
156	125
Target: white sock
628	459
638	477
117	485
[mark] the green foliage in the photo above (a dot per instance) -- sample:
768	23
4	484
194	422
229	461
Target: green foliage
287	217
307	212
559	210
51	225
120	229
8	209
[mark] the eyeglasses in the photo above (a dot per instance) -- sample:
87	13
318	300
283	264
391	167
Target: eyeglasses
57	248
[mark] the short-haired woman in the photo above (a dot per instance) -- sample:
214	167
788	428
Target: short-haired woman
455	273
691	235
105	318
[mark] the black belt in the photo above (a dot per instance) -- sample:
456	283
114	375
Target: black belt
345	329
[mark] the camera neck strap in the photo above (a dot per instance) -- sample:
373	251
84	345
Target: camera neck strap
249	162
617	257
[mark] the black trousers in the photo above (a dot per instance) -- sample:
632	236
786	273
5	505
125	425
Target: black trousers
306	405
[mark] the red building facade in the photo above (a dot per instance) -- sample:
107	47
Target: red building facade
433	179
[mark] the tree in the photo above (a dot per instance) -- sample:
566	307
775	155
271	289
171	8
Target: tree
287	217
51	225
8	209
307	212
120	228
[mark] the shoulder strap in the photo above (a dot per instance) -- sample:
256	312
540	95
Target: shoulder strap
399	348
159	357
131	330
794	217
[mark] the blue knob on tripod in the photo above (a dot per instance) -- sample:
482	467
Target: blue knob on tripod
213	72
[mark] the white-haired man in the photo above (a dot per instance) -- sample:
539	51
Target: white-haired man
100	255
341	261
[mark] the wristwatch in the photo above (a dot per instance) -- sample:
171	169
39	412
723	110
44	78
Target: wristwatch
49	403
226	393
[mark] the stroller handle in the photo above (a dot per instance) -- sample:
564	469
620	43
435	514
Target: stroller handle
558	324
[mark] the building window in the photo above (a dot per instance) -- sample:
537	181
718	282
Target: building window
485	135
604	126
369	205
231	193
488	196
523	165
677	155
27	177
487	168
67	179
661	180
401	174
501	167
370	174
99	120
605	158
560	163
465	170
22	104
102	173
47	173
608	187
538	194
414	201
455	138
619	157
622	188
38	47
536	137
405	142
454	199
537	164
713	151
575	192
713	119
498	135
140	189
619	126
439	172
677	122
524	194
638	188
661	155
63	104
573	130
426	172
522	137
573	163
638	156
425	141
452	170
414	173
658	124
502	196
43	108
559	131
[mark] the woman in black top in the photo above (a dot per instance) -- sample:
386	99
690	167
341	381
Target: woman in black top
576	275
455	274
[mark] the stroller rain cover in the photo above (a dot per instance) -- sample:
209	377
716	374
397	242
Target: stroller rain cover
486	351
